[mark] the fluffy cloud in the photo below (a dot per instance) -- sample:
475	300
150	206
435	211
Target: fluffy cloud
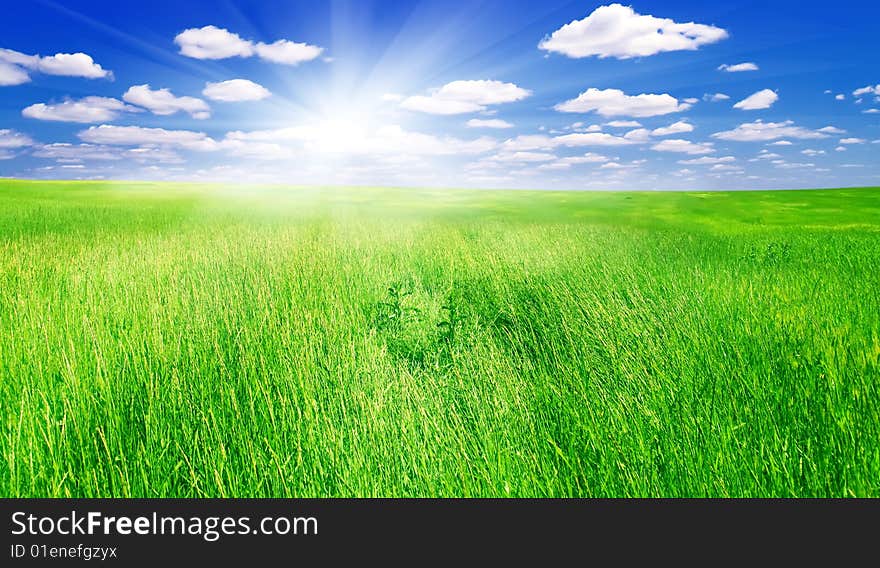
674	128
708	160
760	131
85	110
13	139
618	31
624	124
460	97
839	97
488	123
139	136
163	102
288	52
683	146
614	102
852	141
811	152
236	90
211	42
738	68
14	66
869	90
756	101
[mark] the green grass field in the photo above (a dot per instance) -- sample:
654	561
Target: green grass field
184	340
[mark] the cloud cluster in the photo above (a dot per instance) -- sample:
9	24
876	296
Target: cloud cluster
614	102
683	146
869	90
12	139
759	131
211	42
85	110
618	31
462	97
163	102
15	67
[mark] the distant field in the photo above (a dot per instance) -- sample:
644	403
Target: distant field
185	340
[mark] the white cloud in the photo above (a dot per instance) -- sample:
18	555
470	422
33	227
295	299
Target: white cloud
624	124
871	111
163	102
765	155
528	157
708	160
852	141
490	123
792	165
780	143
12	139
64	152
683	146
715	97
760	131
139	136
12	75
592	139
691	100
588	158
14	66
618	31
725	168
288	52
614	102
840	149
674	128
638	135
392	97
460	97
869	90
236	90
756	101
385	140
811	152
831	130
739	67
840	97
85	110
211	42
530	142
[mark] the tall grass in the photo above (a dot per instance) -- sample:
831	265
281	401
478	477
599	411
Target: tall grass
161	340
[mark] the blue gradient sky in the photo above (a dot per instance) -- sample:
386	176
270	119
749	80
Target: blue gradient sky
347	115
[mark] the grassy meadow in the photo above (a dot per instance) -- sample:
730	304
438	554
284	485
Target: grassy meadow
161	340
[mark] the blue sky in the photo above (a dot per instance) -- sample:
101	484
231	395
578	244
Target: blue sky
552	94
